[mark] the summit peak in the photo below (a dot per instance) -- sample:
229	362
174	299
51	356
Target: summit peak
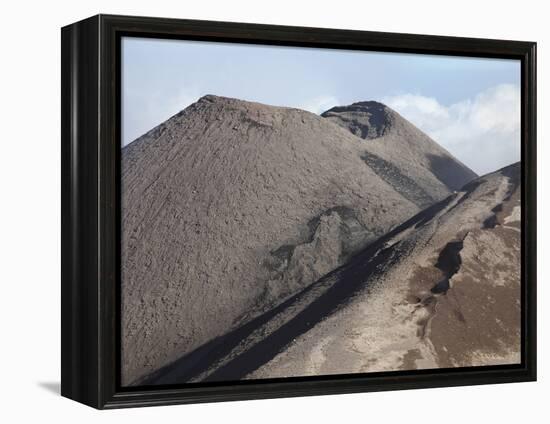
366	119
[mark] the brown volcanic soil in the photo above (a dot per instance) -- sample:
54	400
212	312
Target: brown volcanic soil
397	151
478	322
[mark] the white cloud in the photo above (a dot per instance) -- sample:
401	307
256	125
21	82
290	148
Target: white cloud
319	104
483	132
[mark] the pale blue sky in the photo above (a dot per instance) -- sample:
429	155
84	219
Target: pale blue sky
470	106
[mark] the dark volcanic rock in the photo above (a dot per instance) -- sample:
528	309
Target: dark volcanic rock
364	119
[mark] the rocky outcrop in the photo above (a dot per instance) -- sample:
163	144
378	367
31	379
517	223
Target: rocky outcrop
366	120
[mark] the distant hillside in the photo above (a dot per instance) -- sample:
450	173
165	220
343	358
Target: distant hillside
400	153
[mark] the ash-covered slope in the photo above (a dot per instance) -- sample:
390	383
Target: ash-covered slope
440	290
401	154
230	207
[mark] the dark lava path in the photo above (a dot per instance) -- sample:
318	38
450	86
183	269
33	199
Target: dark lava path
448	262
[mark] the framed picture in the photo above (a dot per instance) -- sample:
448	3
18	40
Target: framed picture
253	211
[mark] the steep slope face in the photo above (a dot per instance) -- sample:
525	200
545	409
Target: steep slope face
401	154
441	290
230	207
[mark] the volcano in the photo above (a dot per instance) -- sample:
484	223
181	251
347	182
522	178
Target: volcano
231	209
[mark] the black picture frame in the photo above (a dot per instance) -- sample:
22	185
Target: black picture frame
90	176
